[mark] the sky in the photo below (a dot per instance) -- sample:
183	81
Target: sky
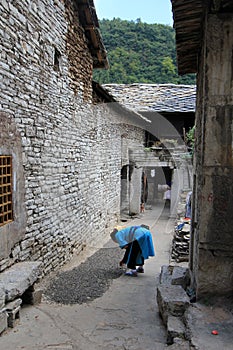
150	11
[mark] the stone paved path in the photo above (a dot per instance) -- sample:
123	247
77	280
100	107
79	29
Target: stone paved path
125	317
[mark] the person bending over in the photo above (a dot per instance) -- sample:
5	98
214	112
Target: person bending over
138	245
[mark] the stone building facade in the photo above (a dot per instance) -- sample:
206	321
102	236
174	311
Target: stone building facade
204	46
61	148
164	159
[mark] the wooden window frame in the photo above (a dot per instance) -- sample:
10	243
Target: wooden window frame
6	204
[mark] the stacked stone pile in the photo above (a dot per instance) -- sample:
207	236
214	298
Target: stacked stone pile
180	242
181	208
181	238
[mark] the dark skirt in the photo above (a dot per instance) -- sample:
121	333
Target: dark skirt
132	254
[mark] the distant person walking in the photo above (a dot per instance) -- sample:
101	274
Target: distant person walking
167	197
138	245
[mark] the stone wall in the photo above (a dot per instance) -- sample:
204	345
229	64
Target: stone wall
212	240
69	151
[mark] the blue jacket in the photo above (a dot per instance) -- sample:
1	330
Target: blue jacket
142	235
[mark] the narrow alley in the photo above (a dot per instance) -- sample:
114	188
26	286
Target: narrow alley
124	317
80	150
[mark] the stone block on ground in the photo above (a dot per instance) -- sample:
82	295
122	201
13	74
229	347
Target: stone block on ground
13	316
166	274
3	321
2	296
18	278
175	329
13	311
172	300
180	344
180	276
13	304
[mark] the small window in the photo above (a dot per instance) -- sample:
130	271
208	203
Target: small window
6	206
57	60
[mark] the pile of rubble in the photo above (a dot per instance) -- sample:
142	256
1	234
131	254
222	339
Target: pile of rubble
180	242
181	238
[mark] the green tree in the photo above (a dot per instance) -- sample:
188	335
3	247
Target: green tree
139	53
168	72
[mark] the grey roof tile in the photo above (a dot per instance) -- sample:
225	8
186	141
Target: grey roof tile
154	97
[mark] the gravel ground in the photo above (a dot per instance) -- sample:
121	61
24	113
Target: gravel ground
87	281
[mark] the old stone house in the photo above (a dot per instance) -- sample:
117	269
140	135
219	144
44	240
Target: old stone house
204	39
61	143
170	108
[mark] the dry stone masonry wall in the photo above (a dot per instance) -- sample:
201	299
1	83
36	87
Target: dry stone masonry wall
69	152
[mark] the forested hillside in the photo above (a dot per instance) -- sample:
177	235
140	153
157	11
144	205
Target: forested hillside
139	53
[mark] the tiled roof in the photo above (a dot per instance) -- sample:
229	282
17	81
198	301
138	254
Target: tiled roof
154	97
189	23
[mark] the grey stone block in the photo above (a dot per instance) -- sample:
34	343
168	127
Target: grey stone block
18	278
172	300
13	316
175	329
180	276
180	344
2	296
3	321
13	311
13	304
166	274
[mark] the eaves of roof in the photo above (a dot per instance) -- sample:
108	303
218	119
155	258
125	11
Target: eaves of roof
90	23
188	16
